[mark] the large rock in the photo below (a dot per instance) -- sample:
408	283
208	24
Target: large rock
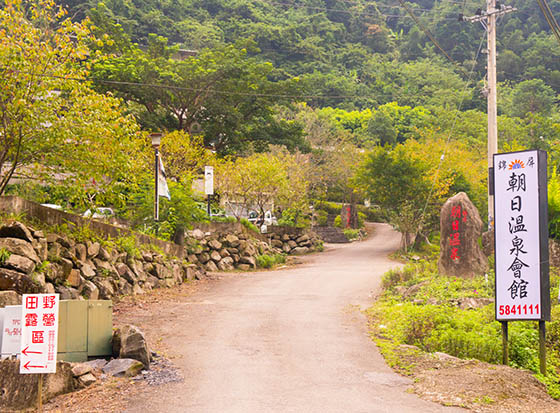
106	289
123	368
19	247
9	298
226	264
133	345
197	234
232	240
215	244
16	230
299	251
461	228
210	266
215	255
20	263
90	291
249	260
19	391
17	281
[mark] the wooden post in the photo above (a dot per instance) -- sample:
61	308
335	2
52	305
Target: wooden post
542	346
40	394
505	347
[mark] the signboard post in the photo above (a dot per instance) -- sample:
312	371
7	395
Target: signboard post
209	184
39	337
521	241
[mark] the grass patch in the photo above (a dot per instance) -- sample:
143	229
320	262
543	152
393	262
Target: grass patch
270	261
419	307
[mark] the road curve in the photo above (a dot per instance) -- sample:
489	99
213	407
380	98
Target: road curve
292	340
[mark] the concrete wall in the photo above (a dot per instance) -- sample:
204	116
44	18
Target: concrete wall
50	216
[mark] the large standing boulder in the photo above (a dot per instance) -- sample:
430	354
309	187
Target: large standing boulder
133	345
461	228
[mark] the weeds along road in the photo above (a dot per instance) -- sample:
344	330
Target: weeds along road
291	340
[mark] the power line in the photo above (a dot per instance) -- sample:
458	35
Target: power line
431	37
442	158
549	17
215	91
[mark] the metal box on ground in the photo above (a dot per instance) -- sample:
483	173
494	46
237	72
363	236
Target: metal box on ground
85	329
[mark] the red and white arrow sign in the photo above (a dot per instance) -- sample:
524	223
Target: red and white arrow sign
28	367
26	352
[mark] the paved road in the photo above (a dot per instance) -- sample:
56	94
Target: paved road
292	340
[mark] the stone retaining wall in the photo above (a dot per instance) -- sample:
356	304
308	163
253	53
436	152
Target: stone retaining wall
37	262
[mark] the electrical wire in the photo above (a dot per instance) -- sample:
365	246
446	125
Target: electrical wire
214	91
442	158
432	38
549	17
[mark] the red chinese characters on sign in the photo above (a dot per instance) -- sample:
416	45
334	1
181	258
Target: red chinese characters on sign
39	333
49	301
48	320
31	303
457	216
37	337
31	320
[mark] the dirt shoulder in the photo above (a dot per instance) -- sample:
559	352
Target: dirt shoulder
472	384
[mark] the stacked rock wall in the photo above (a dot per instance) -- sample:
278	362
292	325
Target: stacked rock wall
31	262
232	246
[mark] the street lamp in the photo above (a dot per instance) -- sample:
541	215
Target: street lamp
156	142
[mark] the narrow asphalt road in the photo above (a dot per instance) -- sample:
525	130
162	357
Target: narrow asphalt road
292	340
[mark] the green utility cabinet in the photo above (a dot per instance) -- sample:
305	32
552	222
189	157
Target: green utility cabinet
85	329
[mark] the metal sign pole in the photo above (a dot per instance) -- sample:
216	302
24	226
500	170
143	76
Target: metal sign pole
505	346
542	346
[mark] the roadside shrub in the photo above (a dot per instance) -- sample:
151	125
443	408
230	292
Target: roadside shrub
361	219
249	225
322	218
352	234
270	261
329	207
338	222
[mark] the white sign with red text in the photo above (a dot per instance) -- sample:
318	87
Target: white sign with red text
518	261
39	333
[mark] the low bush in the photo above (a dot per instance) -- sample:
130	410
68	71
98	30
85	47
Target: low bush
270	261
420	307
249	225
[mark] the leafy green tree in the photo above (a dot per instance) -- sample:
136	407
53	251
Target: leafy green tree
531	97
380	128
55	128
222	91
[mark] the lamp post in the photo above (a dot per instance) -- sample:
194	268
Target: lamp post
156	141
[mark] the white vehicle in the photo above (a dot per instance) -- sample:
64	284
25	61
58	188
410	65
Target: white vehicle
268	220
99	213
53	206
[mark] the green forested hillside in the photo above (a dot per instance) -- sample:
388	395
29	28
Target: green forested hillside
343	86
348	47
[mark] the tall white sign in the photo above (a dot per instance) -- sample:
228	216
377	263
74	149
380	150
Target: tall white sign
209	180
39	333
520	220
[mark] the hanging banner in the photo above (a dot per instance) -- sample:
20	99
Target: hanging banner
163	189
521	236
209	180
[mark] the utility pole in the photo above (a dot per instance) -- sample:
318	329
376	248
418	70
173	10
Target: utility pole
488	20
